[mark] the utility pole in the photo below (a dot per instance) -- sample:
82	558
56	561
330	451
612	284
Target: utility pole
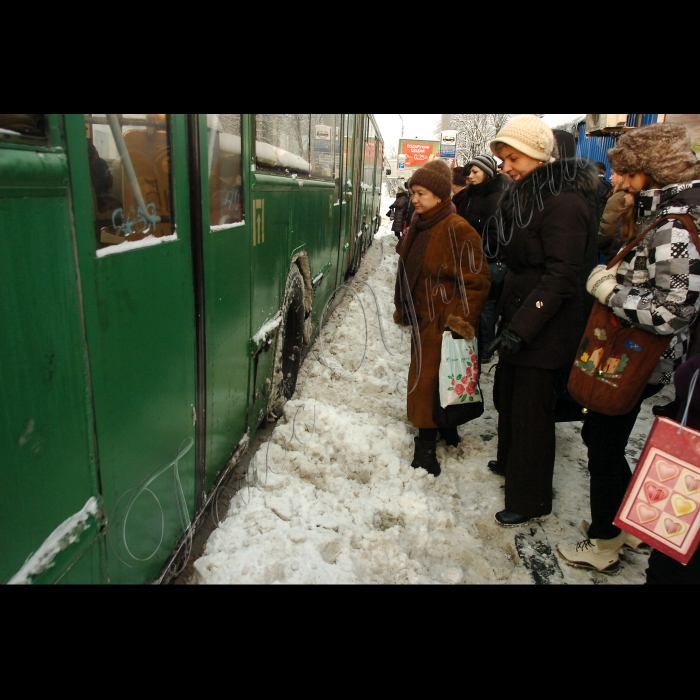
401	118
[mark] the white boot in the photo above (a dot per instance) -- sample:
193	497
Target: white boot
634	544
598	555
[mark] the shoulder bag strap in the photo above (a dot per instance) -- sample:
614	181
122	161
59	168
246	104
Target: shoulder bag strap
685	218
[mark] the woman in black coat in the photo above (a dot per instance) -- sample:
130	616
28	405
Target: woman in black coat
546	217
399	207
481	200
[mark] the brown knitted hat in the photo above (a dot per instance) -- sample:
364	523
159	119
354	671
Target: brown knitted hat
661	151
435	176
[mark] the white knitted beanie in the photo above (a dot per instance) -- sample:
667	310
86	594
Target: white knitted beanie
529	134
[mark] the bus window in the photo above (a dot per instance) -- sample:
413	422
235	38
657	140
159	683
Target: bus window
130	171
282	142
23	128
322	145
225	168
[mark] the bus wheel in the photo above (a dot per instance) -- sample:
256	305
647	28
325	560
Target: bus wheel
290	341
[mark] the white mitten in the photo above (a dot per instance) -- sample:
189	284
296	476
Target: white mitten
601	282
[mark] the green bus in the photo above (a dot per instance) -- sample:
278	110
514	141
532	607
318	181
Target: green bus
161	277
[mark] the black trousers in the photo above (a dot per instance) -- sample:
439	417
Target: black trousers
664	570
525	399
606	438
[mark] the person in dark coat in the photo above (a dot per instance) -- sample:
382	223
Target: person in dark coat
604	189
459	190
411	208
437	289
399	207
565	144
662	568
481	202
546	223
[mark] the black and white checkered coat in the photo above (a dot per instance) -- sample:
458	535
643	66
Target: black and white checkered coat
658	282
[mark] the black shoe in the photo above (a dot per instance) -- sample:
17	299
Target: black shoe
493	466
506	518
670	410
485	359
450	436
424	456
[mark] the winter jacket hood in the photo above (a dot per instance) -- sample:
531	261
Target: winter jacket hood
679	198
525	196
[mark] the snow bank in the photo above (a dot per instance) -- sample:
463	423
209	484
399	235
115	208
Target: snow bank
332	497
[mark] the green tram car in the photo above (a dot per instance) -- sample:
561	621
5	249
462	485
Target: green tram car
161	274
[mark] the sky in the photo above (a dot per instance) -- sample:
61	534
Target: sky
422	126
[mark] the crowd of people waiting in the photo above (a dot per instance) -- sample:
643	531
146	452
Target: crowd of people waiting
542	224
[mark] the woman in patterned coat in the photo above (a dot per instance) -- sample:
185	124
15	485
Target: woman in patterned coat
656	287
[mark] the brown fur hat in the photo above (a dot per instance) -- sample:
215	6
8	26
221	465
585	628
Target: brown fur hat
435	176
661	151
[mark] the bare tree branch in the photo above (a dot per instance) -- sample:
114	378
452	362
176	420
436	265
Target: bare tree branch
475	132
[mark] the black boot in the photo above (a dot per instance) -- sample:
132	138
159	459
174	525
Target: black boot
450	436
670	410
424	456
495	468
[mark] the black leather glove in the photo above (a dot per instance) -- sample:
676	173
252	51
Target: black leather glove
507	343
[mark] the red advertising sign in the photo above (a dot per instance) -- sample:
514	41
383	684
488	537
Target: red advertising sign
417	152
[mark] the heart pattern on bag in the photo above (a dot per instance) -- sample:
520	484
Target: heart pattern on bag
666	470
646	513
654	492
673	527
682	506
691	484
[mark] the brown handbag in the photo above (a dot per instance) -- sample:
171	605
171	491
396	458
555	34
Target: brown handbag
615	360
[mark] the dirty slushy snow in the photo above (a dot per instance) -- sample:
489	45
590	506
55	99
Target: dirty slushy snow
338	502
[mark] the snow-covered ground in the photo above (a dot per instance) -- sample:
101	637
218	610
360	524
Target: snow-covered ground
337	501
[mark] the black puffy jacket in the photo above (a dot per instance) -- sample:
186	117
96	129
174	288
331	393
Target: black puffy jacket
549	243
399	206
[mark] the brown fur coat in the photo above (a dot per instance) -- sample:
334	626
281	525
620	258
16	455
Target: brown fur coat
444	269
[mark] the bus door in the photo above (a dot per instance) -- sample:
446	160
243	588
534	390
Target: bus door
227	242
130	192
49	499
347	198
358	198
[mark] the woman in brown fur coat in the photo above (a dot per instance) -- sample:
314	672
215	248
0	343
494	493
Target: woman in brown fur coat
442	284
